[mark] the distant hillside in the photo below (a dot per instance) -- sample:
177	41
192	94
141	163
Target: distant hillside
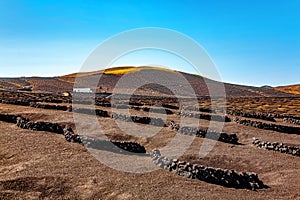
110	77
291	89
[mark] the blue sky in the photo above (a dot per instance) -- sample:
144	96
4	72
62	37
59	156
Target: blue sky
251	42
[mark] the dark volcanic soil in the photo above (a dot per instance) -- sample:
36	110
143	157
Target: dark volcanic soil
37	165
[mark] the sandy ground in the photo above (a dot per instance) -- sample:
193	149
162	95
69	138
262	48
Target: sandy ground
35	165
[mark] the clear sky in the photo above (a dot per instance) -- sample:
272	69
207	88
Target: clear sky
251	42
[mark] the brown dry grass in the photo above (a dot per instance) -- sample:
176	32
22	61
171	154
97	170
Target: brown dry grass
293	89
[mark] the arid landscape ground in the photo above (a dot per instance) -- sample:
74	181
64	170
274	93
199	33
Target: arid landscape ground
44	165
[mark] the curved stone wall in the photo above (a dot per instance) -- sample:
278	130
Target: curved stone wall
266	126
263	116
205	116
276	146
9	118
222	137
24	123
224	177
291	121
137	119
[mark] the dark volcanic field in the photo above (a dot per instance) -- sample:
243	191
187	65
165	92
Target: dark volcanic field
44	165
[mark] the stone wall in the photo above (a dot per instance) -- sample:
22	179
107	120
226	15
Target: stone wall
291	121
88	111
170	106
192	131
16	102
24	123
9	118
198	109
264	116
114	146
137	119
70	136
219	118
275	146
49	106
153	110
224	177
110	145
266	126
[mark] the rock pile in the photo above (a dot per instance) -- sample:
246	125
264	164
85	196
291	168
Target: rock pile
282	148
266	126
137	119
192	131
219	118
291	121
224	177
263	116
24	123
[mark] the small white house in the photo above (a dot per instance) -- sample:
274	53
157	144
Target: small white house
82	90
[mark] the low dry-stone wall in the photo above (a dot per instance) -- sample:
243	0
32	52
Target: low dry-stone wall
16	102
266	126
275	146
70	136
114	146
170	106
98	112
222	137
137	119
49	106
88	111
199	109
219	118
35	104
291	121
103	104
263	116
120	106
9	118
224	177
110	145
24	123
153	110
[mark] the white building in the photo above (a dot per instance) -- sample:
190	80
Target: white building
82	90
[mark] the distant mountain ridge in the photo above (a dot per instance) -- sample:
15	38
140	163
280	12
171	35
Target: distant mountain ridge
110	77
